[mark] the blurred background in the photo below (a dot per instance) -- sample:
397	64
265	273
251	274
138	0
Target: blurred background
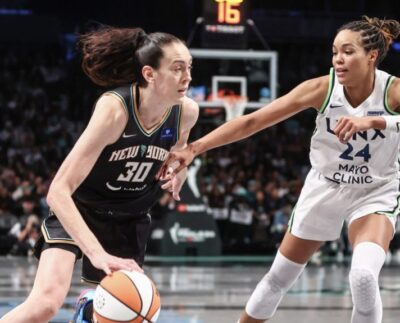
240	197
207	252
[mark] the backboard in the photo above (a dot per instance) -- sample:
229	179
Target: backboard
246	73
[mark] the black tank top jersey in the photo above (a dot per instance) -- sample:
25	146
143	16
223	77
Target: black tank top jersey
123	177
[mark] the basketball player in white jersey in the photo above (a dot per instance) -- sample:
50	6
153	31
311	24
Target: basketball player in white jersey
355	170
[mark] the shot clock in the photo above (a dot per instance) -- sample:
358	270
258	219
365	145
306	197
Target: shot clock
225	24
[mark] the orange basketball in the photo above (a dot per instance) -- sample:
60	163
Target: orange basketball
126	296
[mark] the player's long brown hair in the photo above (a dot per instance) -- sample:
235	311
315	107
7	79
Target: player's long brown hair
115	56
375	34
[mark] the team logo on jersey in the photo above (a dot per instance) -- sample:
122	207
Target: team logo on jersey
143	149
125	135
113	188
334	106
167	133
375	113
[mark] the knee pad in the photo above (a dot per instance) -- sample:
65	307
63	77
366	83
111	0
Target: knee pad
364	289
368	259
265	299
269	292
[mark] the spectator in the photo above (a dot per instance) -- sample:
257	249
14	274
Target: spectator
24	235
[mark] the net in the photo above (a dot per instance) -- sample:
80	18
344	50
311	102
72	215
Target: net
234	106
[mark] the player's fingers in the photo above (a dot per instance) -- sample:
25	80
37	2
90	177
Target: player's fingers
176	196
179	168
347	136
132	265
166	177
167	185
339	126
161	172
164	167
341	129
345	132
107	269
176	188
122	264
136	267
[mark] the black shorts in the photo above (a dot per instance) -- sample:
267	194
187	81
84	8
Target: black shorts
120	235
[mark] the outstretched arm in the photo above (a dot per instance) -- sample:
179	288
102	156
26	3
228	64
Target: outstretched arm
310	93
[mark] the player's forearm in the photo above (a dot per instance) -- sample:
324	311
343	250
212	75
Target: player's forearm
229	132
247	125
391	123
66	211
182	175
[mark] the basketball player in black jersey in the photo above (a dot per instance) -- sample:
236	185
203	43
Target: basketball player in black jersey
102	193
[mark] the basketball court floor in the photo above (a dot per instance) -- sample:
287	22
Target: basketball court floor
217	292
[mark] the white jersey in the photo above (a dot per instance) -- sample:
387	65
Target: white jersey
370	157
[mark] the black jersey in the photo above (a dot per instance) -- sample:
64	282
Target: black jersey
123	177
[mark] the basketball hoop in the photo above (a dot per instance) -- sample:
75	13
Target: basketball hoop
234	106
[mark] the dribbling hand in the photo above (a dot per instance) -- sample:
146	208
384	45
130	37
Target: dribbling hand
109	263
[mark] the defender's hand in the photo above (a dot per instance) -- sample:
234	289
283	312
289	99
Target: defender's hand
348	126
177	160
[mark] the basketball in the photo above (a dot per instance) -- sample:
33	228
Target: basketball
126	296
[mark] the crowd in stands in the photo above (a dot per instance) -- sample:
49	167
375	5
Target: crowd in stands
39	122
250	187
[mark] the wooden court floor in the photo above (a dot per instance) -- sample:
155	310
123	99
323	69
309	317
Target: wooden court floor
217	293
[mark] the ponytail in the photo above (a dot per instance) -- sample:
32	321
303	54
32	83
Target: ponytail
389	28
375	34
115	56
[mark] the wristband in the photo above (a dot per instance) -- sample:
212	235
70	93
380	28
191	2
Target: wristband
392	123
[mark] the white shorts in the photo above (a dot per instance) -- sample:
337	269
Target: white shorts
324	205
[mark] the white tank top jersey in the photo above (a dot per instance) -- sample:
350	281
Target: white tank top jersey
370	158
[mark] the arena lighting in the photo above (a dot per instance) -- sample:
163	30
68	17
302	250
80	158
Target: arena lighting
396	46
15	12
